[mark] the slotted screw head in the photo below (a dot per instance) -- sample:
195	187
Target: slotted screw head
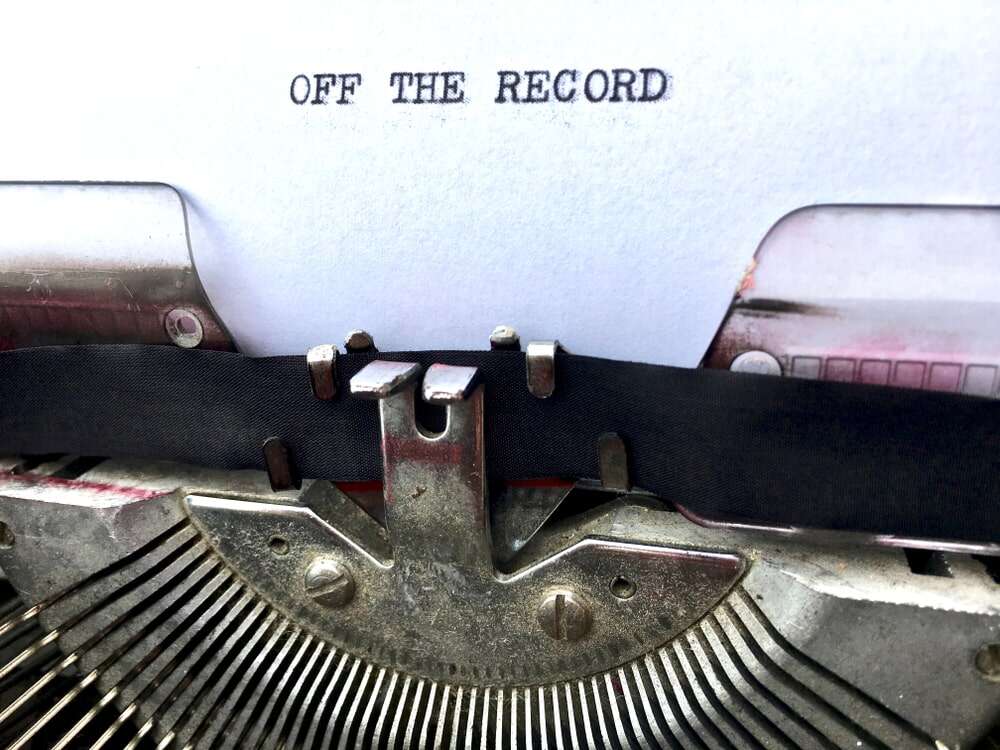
564	616
329	583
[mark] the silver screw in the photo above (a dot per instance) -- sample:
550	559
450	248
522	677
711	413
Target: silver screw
504	337
756	362
184	328
564	616
359	341
329	583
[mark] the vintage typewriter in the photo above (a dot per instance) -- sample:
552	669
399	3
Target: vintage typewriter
793	546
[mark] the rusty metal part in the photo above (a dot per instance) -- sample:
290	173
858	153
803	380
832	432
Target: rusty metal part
108	263
540	360
440	610
322	363
143	616
505	337
280	468
443	608
358	341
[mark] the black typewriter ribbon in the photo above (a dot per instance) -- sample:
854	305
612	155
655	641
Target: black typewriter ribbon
766	450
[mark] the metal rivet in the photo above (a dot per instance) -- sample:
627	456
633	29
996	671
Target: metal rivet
613	461
359	341
322	363
756	362
988	662
564	616
329	583
505	337
184	328
540	361
280	469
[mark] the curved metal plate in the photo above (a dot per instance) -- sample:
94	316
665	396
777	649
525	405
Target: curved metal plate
451	621
100	263
886	295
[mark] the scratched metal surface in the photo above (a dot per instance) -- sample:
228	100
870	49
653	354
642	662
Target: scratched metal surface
99	263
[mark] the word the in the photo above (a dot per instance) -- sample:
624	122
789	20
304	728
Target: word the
421	88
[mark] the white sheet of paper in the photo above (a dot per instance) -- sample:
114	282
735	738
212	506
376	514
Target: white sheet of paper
621	229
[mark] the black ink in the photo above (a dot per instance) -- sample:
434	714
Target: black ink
537	90
399	80
427	87
528	86
587	90
557	83
453	81
511	86
322	85
348	83
624	79
291	89
322	88
650	74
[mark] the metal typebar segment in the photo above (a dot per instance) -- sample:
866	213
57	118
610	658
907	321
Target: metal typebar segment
434	484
